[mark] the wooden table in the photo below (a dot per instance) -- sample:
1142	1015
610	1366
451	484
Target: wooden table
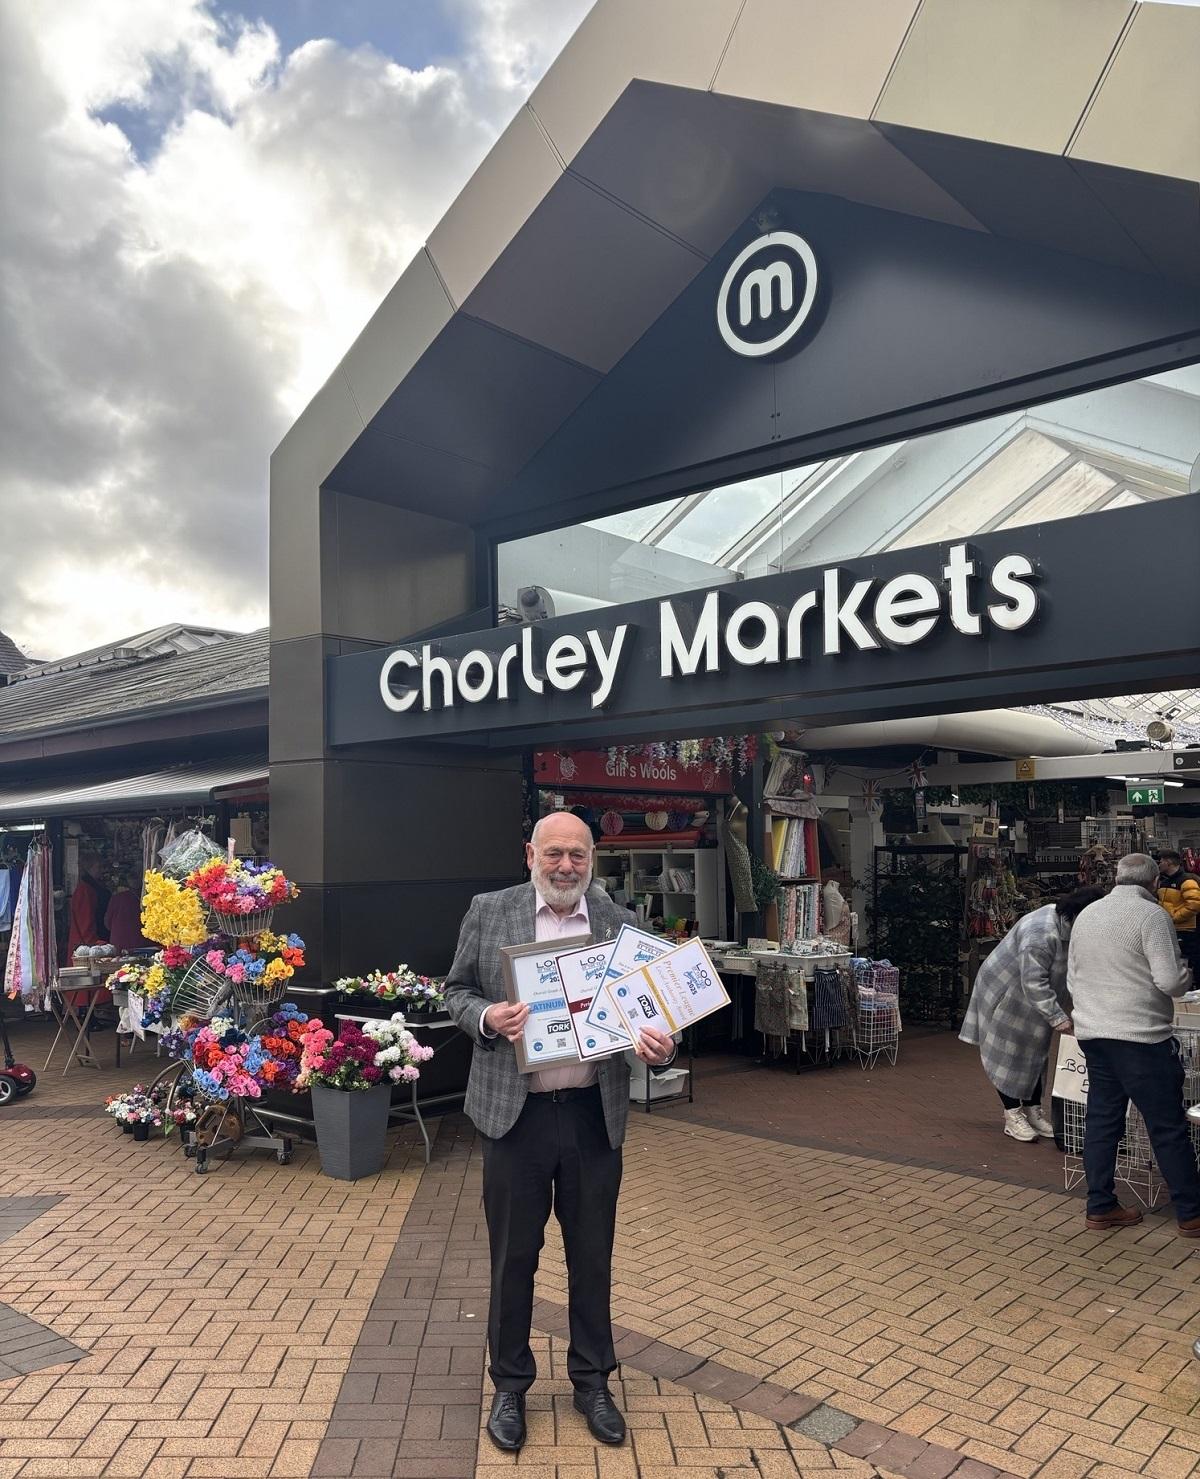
71	1015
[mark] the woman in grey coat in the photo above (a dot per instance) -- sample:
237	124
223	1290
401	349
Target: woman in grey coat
1018	1001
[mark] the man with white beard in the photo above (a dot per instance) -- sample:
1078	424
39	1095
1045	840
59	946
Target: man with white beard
550	1139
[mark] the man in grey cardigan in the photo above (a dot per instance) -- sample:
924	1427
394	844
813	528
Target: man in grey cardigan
551	1139
1123	972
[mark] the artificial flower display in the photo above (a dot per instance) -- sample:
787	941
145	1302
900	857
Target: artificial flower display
128	978
264	959
362	1057
172	915
137	1106
228	1063
421	993
233	887
400	1054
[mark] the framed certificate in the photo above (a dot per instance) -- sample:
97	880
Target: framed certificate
531	976
583	972
669	993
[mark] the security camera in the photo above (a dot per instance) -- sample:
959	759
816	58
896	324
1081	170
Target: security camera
1159	731
540	603
534	603
766	220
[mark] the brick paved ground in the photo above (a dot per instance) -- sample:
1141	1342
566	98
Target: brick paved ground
935	1107
248	1322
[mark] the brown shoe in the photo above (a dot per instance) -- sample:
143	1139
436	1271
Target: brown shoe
1190	1228
1118	1217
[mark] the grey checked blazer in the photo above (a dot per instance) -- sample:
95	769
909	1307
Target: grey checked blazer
496	1090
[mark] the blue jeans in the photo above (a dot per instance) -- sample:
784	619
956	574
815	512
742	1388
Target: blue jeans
1151	1074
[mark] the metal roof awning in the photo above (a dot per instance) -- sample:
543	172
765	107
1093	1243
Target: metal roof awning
173	786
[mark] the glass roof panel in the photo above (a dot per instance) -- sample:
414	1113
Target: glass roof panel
1073	493
722	517
636	523
991	489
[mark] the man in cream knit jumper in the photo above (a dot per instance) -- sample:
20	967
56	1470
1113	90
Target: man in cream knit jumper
1123	972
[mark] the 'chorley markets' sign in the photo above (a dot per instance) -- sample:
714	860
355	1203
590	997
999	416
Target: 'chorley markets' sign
838	615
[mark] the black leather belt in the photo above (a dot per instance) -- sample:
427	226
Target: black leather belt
558	1095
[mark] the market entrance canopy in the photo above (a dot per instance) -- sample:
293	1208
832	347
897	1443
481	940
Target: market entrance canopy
723	237
964	171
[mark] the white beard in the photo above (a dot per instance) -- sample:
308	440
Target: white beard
558	896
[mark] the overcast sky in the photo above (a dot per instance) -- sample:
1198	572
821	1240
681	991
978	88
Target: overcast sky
203	204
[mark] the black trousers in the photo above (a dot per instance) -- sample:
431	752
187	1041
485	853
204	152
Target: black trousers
1010	1103
556	1156
1152	1075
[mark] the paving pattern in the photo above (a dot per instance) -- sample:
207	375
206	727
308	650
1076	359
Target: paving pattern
784	1307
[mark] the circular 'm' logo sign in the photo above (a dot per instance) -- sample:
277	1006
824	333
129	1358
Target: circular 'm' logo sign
767	294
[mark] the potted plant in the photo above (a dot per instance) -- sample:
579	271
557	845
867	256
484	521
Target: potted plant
142	1113
115	1106
350	1078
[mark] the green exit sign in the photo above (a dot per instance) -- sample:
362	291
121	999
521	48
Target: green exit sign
1145	795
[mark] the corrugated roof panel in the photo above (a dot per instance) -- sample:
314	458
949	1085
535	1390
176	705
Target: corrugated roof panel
175	786
74	699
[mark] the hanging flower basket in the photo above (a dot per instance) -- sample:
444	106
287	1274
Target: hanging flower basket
258	999
242	926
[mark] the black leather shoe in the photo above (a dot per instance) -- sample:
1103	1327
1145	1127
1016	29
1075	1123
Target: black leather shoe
506	1426
604	1419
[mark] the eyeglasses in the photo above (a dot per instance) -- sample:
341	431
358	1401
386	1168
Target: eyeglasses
556	855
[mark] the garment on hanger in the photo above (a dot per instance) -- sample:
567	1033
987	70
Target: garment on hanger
829	999
771	1000
32	961
7	898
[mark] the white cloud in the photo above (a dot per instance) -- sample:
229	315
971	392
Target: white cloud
165	321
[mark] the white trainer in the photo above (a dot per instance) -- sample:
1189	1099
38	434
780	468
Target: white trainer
1193	1115
1038	1121
1016	1125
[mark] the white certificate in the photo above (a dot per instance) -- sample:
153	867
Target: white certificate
631	949
669	993
531	975
583	972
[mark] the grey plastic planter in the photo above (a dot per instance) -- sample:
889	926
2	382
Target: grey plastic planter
351	1129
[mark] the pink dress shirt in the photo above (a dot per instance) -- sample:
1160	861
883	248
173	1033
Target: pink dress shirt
552	926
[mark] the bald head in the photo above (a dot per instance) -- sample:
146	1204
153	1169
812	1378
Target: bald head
559	855
565	826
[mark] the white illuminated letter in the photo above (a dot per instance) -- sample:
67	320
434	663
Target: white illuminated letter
844	616
766	649
394	702
1011	579
675	652
907	609
607	662
959	572
475	692
566	658
795	624
436	667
